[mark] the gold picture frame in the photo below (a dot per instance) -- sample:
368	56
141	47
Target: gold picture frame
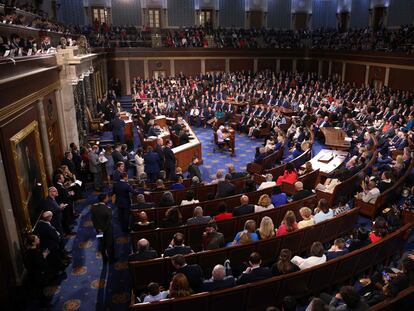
29	168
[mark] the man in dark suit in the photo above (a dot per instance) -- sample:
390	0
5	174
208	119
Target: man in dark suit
65	197
254	272
225	188
144	252
117	155
159	150
152	164
122	190
300	192
169	160
193	169
193	273
233	173
118	129
119	169
51	205
177	246
244	208
101	215
218	280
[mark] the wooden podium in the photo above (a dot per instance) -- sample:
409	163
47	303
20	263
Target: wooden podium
336	138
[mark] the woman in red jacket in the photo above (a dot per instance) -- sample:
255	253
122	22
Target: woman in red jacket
290	175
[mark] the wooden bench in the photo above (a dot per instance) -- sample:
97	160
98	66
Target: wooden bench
403	301
270	292
388	196
309	181
160	269
266	163
161	237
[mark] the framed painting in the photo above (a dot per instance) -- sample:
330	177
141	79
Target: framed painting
30	172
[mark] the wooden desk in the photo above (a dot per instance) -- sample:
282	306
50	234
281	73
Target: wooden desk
335	137
128	131
184	153
337	157
161	121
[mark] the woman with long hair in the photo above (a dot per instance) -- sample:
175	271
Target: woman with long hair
290	175
247	235
179	287
288	224
173	218
266	229
283	265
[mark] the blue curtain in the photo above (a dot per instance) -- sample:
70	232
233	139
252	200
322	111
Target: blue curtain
181	12
126	12
231	13
278	14
400	12
71	12
324	13
359	14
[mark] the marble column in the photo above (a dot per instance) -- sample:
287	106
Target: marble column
330	68
278	65
343	71
172	68
227	65
366	75
255	64
67	116
387	76
203	66
45	138
127	78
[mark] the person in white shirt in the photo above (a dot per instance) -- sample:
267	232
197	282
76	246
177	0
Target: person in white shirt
317	257
370	194
189	198
322	211
268	183
154	293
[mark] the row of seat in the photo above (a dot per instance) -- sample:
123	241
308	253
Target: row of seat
259	295
298	241
160	238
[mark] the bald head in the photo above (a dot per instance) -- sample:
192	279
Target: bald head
298	185
47	216
219	272
244	199
143	244
143	217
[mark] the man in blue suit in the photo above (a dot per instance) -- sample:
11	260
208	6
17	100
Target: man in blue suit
122	190
152	164
118	129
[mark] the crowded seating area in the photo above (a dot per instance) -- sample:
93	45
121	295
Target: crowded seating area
153	163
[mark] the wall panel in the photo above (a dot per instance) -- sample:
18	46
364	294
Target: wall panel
215	65
355	73
400	12
285	65
307	65
324	13
278	14
266	63
126	12
359	13
376	73
136	68
189	67
159	65
241	64
401	79
231	13
181	12
71	12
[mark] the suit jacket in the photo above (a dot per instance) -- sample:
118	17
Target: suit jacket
101	217
48	235
194	275
152	162
118	126
301	195
63	194
169	158
225	189
194	170
183	250
235	175
210	285
122	190
143	255
51	205
256	274
94	164
158	149
117	156
243	210
198	220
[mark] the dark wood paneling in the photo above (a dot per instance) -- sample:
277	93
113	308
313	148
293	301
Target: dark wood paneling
116	69
215	65
286	65
53	132
256	19
159	65
325	69
307	65
355	73
190	67
336	68
266	63
376	73
401	79
241	64
136	68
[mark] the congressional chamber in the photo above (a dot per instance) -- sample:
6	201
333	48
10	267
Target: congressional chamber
207	155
